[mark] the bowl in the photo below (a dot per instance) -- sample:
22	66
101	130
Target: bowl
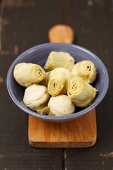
38	55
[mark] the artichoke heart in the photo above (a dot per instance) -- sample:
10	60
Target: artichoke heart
58	81
45	81
80	92
61	105
59	59
44	110
27	73
56	85
86	70
60	70
36	97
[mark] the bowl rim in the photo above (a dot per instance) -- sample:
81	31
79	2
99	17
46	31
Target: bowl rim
56	118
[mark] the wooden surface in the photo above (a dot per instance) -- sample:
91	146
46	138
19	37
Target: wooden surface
61	33
23	25
76	133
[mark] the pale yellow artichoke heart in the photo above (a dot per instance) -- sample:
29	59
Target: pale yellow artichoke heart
44	110
58	81
80	92
46	79
59	59
86	70
61	105
60	70
27	73
36	96
56	85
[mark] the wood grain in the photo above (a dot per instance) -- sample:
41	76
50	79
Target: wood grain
61	33
77	133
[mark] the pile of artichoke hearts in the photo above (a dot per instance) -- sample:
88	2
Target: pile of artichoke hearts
58	91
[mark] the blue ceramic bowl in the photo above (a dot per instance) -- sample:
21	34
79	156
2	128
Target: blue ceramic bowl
38	55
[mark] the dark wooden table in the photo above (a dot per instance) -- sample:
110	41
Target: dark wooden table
24	24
